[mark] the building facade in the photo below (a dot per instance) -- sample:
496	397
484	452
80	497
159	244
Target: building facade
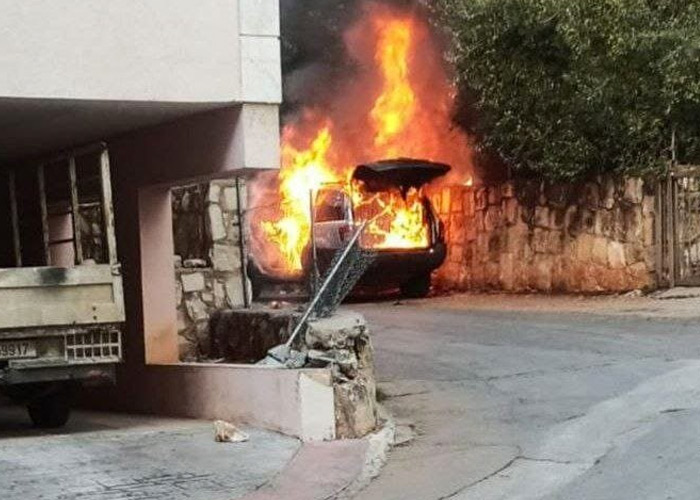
180	93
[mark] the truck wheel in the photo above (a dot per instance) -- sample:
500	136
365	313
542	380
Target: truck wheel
417	287
50	410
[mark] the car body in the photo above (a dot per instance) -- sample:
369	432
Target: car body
335	218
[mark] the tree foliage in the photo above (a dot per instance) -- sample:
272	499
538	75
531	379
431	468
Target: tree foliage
565	88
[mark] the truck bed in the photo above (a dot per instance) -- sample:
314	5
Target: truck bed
55	296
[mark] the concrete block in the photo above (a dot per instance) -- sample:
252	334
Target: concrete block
317	407
261	73
258	144
259	17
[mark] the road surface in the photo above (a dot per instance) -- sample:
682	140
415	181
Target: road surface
551	403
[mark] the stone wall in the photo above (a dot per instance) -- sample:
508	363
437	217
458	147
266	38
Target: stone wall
596	236
208	263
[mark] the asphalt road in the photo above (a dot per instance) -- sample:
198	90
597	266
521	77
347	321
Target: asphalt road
537	405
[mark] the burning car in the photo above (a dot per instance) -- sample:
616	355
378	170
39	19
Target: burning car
403	228
397	102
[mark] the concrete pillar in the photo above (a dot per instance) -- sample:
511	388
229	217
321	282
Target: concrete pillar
157	275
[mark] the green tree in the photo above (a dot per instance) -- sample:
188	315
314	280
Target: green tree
566	88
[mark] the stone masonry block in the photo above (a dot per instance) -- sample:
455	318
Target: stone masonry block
607	193
494	196
213	193
510	209
634	190
507	190
229	199
481	198
599	251
468	202
215	222
456	200
225	257
542	217
192	282
445	201
616	255
337	332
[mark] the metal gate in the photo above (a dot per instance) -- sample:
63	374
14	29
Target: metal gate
678	227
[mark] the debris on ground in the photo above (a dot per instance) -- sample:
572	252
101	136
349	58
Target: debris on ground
226	432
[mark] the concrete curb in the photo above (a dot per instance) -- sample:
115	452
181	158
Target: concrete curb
676	293
379	444
332	470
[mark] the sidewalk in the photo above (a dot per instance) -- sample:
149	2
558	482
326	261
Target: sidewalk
677	303
108	456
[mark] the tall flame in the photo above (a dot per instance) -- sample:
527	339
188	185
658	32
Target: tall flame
395	106
303	171
409	116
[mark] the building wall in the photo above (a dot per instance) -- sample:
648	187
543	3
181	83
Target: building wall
596	236
135	50
146	164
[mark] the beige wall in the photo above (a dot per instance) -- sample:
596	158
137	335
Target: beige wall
294	402
141	50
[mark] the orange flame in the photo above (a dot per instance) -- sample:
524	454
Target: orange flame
410	116
303	172
395	222
394	108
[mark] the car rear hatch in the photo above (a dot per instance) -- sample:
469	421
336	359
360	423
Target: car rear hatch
401	173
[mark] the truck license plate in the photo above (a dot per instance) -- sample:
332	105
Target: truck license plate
17	349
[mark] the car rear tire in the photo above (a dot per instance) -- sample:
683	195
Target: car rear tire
51	410
417	287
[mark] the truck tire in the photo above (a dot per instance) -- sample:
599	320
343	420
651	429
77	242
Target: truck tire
417	287
50	411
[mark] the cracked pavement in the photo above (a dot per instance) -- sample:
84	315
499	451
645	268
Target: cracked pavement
540	403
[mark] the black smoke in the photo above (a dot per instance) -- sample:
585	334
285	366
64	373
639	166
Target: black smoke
315	64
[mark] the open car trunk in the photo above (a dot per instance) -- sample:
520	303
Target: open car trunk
400	173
